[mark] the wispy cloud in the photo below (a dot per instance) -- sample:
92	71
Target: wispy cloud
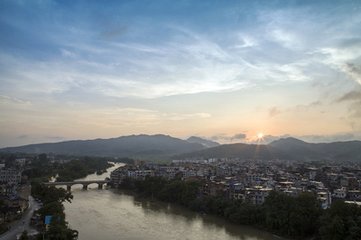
353	71
274	111
226	138
351	96
13	100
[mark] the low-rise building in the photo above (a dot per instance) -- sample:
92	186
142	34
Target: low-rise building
10	176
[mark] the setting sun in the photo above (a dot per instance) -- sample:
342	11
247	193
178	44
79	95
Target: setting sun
260	135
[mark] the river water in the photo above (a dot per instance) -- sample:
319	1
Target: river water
110	214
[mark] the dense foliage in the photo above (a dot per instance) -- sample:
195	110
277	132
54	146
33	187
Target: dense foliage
341	221
297	217
175	191
53	199
124	160
81	168
41	168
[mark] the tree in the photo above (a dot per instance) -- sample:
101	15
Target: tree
43	157
341	221
278	208
305	215
10	161
24	235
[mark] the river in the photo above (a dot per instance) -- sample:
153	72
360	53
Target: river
111	214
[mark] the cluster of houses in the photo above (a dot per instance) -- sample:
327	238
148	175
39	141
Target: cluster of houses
252	180
14	196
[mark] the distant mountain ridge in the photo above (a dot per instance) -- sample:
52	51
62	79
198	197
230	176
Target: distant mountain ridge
286	149
167	147
137	146
348	150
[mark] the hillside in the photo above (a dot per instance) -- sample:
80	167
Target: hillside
237	150
287	149
137	146
167	147
297	149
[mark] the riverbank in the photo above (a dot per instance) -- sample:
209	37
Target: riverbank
41	170
186	194
113	214
299	217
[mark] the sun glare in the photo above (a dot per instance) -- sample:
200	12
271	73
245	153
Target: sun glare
259	136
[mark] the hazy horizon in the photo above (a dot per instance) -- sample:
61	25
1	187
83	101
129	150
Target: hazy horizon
229	71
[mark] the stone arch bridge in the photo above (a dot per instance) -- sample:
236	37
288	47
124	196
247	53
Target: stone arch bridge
84	183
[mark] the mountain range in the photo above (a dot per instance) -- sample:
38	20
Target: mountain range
286	149
167	147
135	146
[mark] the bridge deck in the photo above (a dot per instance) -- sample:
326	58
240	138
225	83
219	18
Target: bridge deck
76	182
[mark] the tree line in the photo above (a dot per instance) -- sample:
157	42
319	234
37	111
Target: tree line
41	168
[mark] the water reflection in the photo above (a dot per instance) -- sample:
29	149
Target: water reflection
207	221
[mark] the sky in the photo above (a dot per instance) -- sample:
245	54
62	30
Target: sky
222	70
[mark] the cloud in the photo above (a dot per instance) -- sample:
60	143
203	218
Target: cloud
189	62
354	98
13	100
306	107
285	38
139	117
185	116
351	96
219	137
67	53
246	42
270	138
355	109
344	59
331	138
239	136
266	139
112	33
353	71
274	111
229	138
55	138
312	138
24	136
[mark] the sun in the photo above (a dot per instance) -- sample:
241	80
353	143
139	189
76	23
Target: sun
260	136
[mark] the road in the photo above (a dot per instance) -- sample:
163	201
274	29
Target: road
22	224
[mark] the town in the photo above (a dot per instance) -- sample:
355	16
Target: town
252	180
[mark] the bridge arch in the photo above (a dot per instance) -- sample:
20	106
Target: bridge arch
84	183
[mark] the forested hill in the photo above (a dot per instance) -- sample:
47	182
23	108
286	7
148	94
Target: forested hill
297	149
287	148
137	146
167	147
